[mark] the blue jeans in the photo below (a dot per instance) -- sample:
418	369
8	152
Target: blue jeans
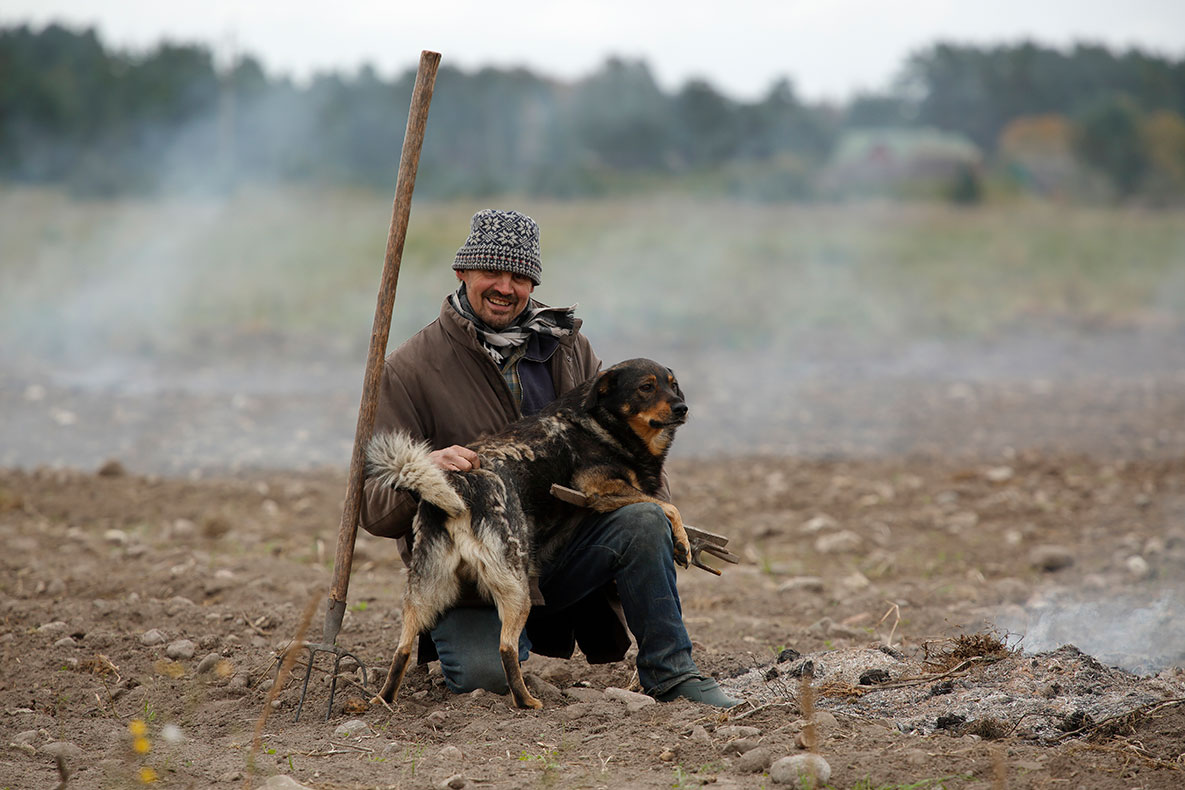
631	546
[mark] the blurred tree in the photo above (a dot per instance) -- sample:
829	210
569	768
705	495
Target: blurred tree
1108	139
1163	135
707	128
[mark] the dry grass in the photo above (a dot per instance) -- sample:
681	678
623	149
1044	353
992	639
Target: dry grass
945	654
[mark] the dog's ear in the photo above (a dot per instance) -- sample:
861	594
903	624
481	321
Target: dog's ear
600	388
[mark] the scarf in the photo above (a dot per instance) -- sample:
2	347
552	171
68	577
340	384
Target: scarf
556	321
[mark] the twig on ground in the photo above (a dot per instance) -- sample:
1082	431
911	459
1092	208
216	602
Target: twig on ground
1143	710
894	609
281	678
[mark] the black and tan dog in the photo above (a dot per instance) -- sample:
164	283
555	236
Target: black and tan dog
494	525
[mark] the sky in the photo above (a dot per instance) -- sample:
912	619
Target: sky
830	50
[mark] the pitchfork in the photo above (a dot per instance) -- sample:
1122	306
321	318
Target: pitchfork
413	141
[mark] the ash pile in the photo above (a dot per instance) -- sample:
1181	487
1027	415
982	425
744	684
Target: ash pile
969	685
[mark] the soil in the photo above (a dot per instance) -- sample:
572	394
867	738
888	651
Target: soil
1004	615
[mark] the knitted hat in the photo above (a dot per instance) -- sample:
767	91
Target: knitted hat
504	241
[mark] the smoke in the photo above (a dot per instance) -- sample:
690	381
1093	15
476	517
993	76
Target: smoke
1142	633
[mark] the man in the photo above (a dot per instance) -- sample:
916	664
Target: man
492	356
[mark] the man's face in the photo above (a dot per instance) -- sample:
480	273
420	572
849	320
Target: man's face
496	297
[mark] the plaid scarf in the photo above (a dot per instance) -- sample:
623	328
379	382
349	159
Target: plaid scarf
557	321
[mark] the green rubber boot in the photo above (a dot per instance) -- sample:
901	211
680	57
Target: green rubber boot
699	689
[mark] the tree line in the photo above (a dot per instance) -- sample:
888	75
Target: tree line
103	121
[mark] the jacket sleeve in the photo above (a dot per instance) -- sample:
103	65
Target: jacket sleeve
386	513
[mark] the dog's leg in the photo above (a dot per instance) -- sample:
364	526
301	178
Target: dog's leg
411	626
678	534
513	609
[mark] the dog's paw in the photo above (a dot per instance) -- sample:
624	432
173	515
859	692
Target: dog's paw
683	552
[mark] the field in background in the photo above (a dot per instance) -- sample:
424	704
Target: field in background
800	330
155	275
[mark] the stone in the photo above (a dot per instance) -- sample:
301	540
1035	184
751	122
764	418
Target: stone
152	637
582	694
632	699
65	641
28	736
207	664
738	731
540	688
838	542
1137	567
180	649
64	749
700	735
740	746
454	782
450	754
56	627
799	770
754	760
351	729
1050	558
824	719
282	782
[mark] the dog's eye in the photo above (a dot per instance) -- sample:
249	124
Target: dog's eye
647	387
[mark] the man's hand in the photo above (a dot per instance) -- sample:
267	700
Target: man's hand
455	459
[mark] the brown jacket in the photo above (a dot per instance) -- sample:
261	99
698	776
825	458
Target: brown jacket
443	388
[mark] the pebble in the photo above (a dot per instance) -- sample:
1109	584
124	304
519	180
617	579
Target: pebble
1051	558
700	735
838	542
632	699
28	736
541	689
282	782
740	746
666	755
207	664
64	749
1137	567
738	731
754	760
56	627
454	782
351	729
799	769
450	754
180	649
65	641
116	537
582	694
803	584
153	637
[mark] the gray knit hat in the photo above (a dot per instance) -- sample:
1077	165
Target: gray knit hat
504	241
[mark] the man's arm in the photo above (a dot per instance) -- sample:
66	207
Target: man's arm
387	513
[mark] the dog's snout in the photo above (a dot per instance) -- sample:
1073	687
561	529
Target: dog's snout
679	408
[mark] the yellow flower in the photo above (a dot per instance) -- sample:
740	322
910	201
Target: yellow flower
147	775
138	728
141	745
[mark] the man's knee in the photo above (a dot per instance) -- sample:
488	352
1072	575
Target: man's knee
646	526
476	672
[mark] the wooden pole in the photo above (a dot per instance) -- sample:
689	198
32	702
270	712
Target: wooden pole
409	160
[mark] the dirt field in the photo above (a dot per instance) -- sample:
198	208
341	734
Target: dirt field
137	599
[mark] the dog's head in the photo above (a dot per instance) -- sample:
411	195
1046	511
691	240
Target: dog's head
643	396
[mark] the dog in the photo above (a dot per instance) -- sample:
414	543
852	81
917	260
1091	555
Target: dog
494	524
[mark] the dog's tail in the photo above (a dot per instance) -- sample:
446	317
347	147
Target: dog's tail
398	461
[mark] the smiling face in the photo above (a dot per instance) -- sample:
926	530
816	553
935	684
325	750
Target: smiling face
496	297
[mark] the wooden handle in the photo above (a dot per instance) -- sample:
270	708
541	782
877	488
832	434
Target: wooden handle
409	161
